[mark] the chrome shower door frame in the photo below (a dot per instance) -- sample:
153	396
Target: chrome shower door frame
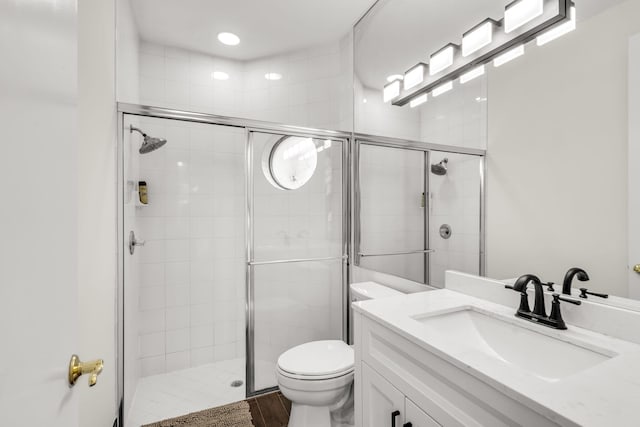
345	140
427	148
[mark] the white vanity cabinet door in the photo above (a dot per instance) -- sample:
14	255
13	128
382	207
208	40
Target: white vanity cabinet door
416	416
379	400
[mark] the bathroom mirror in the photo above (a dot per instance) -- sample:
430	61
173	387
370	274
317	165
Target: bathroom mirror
557	124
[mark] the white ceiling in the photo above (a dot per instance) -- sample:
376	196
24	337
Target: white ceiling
265	27
399	33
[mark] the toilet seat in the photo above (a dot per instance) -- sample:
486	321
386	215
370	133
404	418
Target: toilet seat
317	360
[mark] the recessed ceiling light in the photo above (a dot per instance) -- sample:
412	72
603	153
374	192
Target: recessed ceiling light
220	75
273	76
393	77
229	39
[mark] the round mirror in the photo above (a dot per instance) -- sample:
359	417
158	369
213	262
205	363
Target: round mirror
293	161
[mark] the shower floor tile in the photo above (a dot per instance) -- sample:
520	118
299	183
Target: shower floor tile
169	395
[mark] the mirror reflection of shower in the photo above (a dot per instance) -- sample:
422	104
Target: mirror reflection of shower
440	168
149	143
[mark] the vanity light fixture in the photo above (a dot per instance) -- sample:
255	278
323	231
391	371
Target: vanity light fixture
391	91
393	77
220	75
519	12
558	31
510	55
229	39
470	75
273	76
442	59
442	89
478	37
419	100
497	41
414	76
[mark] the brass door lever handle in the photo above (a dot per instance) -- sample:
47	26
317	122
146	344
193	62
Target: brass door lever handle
78	368
636	268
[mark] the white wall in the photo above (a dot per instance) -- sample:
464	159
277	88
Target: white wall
315	89
633	161
557	174
96	205
127	51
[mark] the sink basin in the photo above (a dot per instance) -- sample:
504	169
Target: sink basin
546	356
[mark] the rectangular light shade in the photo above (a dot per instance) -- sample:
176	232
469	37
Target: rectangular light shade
442	89
509	55
477	38
520	12
441	60
391	90
560	30
414	76
470	75
419	100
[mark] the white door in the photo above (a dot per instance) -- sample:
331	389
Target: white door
634	166
39	307
382	403
416	417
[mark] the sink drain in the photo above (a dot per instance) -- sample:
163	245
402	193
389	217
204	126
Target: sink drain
236	383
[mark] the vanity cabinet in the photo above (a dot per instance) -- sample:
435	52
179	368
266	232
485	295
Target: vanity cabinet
384	405
394	373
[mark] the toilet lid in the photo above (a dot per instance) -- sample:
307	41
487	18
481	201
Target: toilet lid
318	358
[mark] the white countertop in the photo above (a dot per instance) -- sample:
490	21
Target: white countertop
605	394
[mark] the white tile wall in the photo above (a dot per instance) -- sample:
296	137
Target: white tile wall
455	200
315	89
457	118
190	299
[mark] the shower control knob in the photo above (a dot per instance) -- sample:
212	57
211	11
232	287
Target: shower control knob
133	242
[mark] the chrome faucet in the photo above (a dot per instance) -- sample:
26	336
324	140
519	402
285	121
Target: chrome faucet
539	313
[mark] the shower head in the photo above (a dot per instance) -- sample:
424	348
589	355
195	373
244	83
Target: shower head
440	168
149	143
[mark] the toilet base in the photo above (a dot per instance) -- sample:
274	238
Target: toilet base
309	416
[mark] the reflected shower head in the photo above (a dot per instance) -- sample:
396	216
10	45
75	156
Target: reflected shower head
440	168
149	143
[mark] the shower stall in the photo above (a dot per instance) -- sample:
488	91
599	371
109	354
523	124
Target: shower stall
237	237
235	244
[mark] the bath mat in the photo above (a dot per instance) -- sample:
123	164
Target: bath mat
233	415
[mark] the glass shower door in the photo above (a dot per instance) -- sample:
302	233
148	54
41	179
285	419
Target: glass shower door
392	233
297	265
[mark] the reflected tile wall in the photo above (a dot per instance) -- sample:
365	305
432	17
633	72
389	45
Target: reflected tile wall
455	200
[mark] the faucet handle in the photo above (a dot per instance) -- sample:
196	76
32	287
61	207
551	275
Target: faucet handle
549	286
558	298
584	292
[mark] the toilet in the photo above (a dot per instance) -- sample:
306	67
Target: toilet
317	376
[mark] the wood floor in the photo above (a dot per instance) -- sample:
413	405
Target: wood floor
270	410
